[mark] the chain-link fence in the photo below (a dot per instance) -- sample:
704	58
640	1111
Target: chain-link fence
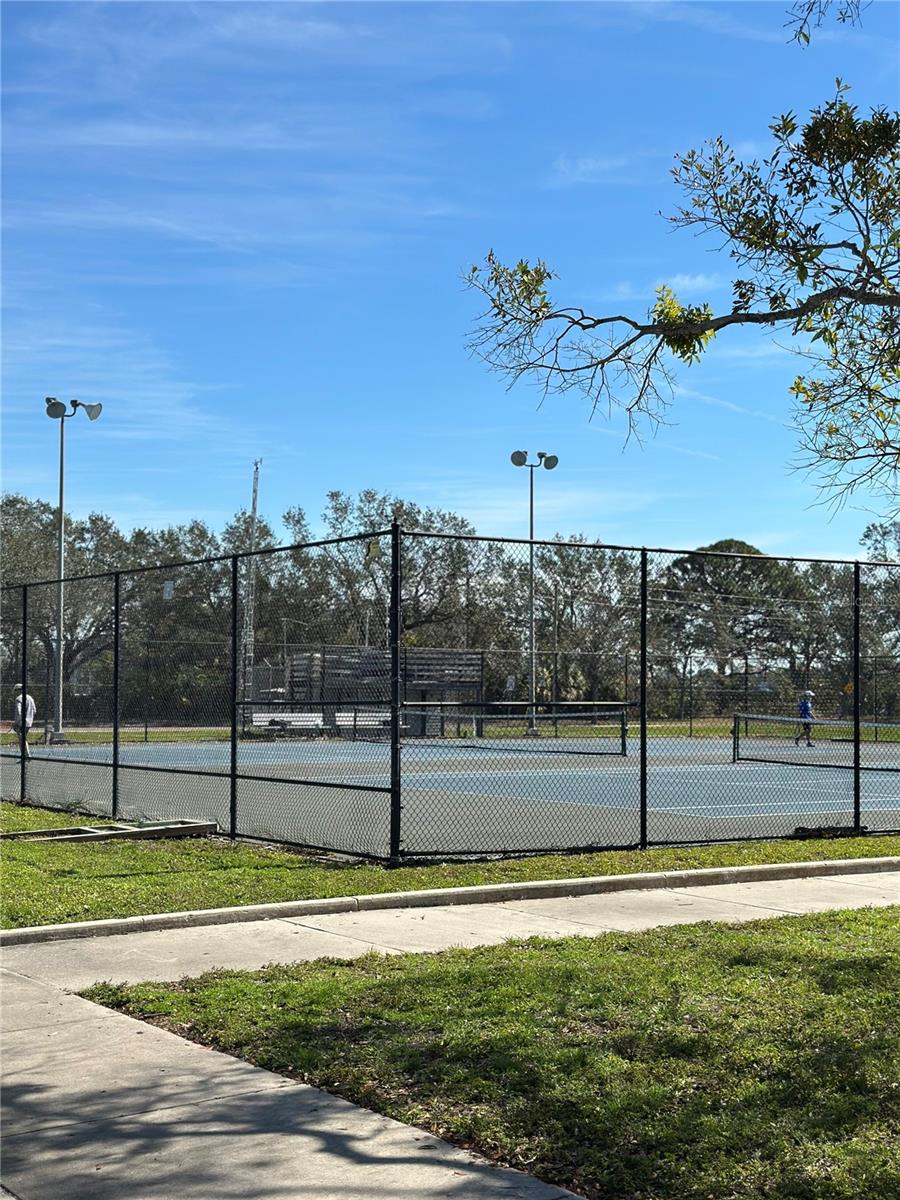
402	695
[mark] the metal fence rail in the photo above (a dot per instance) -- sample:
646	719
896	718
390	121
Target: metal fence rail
402	694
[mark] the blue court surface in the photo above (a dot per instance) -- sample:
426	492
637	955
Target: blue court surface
483	795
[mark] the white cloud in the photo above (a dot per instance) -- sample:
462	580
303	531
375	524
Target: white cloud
590	168
689	452
500	510
729	406
681	283
761	353
175	135
773	540
710	18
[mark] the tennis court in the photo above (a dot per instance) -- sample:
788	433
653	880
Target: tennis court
469	795
398	693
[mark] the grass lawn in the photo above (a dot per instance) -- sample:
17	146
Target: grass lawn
691	1063
45	884
103	736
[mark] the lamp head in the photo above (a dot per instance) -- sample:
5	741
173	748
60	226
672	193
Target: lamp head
518	458
55	408
550	461
93	410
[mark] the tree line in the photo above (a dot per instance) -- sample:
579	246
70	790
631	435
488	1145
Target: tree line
727	627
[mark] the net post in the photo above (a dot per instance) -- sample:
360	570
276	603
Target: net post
23	731
232	805
857	763
643	701
396	683
623	731
736	738
117	628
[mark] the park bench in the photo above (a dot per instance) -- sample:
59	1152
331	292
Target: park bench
287	722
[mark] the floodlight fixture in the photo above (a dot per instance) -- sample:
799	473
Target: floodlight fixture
518	458
55	408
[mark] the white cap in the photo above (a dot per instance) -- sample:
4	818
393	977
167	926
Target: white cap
809	693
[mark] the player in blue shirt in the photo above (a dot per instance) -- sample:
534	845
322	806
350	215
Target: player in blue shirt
806	718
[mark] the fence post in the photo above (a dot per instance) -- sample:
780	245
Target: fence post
232	818
117	617
23	730
395	617
643	702
857	701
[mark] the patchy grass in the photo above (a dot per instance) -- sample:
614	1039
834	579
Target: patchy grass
102	736
686	1063
15	817
46	883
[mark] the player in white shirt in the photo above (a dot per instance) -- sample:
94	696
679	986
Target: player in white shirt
27	720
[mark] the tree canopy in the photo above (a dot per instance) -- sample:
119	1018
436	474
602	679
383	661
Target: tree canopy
727	625
813	230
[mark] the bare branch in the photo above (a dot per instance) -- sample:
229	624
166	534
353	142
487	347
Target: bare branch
806	15
815	232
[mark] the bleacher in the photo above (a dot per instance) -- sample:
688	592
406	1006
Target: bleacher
287	722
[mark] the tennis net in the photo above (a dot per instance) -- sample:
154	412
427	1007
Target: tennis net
822	742
569	731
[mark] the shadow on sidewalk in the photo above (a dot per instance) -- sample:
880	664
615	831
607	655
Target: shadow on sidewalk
287	1141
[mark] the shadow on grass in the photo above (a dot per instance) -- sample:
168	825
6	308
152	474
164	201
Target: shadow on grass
766	1070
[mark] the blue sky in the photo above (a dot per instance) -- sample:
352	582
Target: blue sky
241	227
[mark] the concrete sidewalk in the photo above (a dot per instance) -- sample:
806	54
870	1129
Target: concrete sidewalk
101	1107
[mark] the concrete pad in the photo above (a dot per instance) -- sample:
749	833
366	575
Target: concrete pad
801	895
172	954
643	910
31	1004
294	1143
418	930
110	1065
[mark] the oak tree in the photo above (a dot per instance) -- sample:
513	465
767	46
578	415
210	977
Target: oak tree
813	231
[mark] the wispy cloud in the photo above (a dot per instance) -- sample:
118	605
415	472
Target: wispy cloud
591	168
148	397
763	352
316	132
682	283
728	405
690	452
690	284
773	540
499	510
350	209
715	19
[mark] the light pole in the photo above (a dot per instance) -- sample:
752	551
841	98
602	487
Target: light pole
57	411
519	458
